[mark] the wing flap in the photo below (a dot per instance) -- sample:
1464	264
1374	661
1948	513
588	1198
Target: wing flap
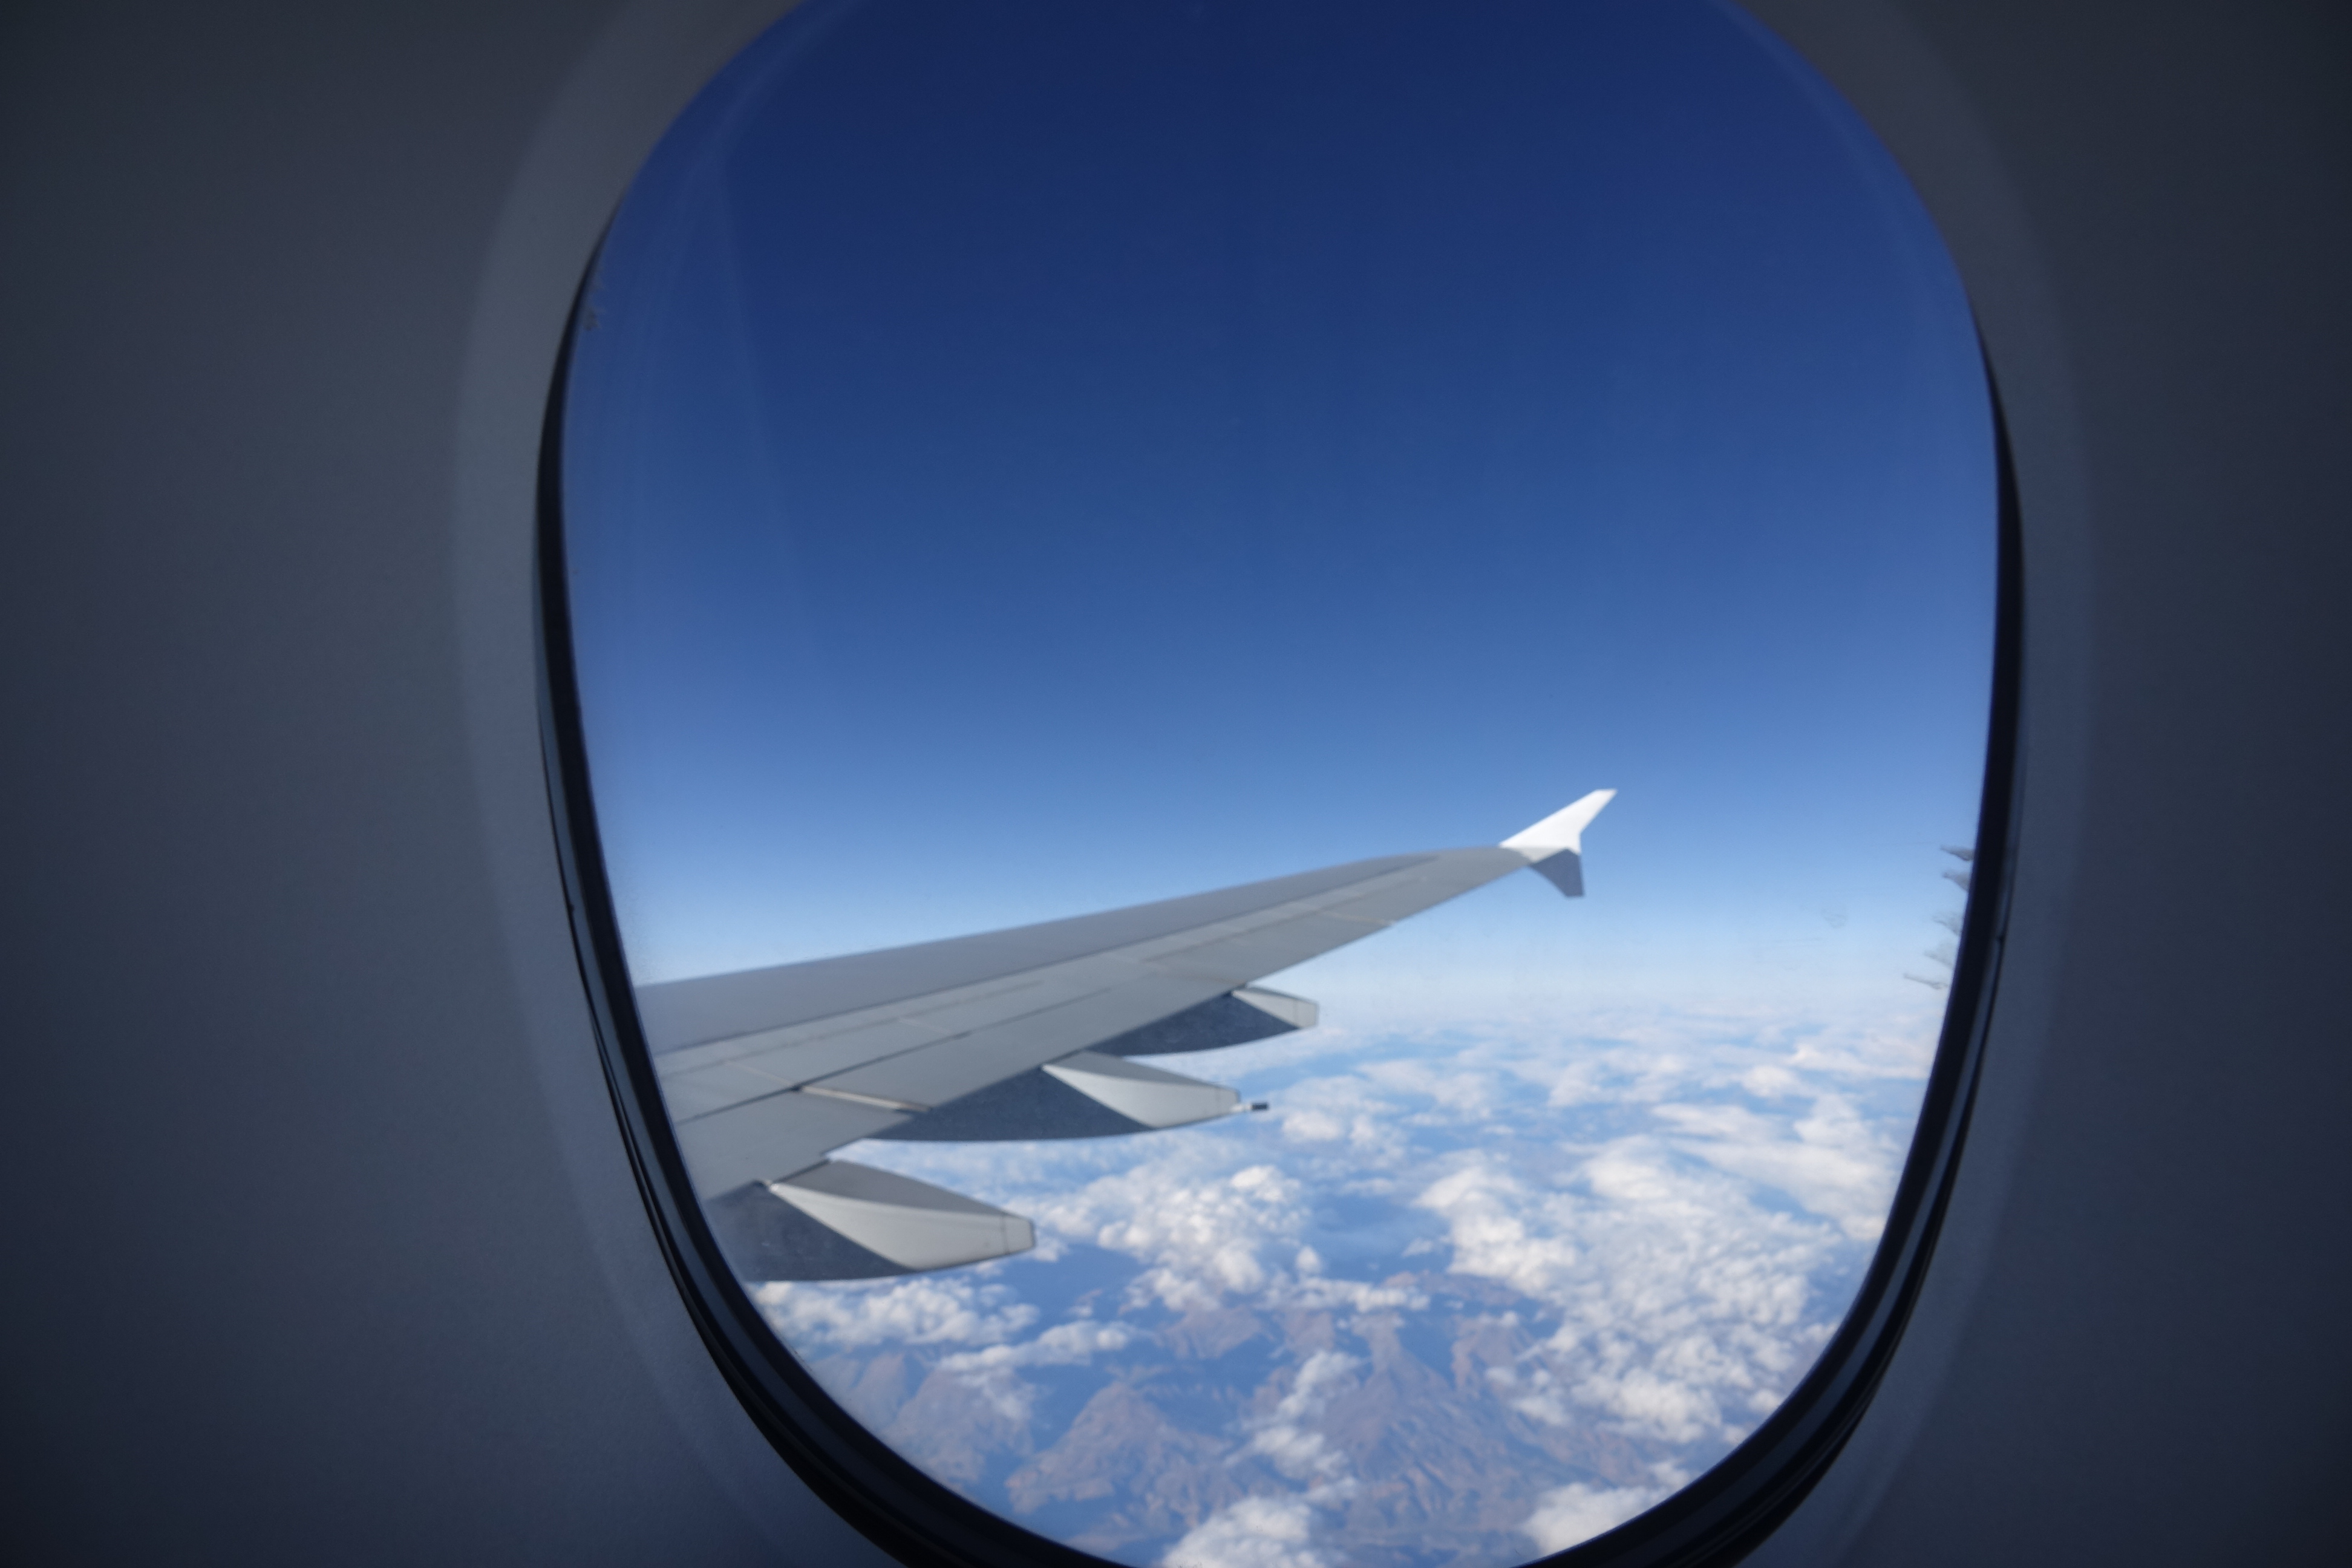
1152	1095
912	1224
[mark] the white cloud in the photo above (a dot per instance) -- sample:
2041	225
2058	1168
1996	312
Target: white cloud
1668	1195
1353	1107
1321	1293
1675	1294
1575	1512
928	1309
1255	1533
1064	1345
1288	1436
1203	1235
1499	1231
1831	1161
991	1371
1312	1126
1468	1083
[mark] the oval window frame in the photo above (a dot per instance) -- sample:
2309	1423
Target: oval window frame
1718	1518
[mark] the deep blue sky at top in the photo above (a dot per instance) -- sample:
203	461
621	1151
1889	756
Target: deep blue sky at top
1025	457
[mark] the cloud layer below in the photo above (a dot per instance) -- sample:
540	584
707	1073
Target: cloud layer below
1461	1297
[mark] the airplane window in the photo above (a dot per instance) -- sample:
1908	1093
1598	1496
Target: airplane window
1095	543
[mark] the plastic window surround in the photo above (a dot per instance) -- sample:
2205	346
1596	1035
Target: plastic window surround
1717	1519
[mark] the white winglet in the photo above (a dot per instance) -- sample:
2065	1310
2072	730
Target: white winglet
1563	830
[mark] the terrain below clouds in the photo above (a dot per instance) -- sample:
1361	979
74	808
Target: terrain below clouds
1459	1299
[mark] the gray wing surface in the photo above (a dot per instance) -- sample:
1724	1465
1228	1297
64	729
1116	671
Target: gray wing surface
1010	1034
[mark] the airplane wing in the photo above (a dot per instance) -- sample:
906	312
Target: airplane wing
1007	1035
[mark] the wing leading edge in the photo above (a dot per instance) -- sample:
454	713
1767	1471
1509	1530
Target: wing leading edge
1015	1034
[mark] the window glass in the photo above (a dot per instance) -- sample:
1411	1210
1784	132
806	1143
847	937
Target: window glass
1028	459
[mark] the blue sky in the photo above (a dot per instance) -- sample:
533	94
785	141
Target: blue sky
1029	458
